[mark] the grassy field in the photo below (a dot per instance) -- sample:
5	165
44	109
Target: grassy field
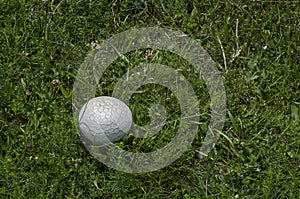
257	46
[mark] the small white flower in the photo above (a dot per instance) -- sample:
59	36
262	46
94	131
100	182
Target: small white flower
55	82
95	45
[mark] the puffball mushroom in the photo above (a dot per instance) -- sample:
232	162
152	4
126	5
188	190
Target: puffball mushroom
104	119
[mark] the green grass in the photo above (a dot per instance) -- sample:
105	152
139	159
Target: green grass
257	155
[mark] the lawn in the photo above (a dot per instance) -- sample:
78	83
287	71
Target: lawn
256	45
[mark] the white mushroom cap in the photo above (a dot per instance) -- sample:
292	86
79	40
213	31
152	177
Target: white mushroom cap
104	119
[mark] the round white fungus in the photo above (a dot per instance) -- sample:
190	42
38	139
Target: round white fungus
104	119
